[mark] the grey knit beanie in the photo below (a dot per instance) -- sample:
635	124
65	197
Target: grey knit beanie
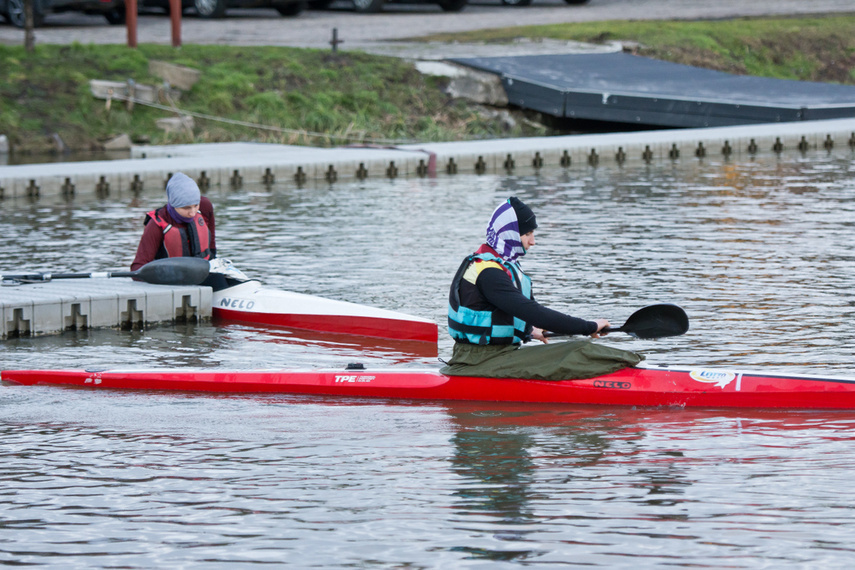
182	191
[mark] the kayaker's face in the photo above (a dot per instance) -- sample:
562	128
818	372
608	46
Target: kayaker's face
188	211
528	240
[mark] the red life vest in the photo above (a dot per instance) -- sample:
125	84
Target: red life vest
191	240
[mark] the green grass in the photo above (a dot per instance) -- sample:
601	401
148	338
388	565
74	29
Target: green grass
352	97
294	92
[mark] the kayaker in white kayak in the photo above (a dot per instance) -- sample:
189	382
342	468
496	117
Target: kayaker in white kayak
492	312
183	227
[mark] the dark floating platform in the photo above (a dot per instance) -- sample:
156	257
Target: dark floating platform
630	89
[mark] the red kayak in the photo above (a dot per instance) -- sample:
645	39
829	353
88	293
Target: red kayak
641	386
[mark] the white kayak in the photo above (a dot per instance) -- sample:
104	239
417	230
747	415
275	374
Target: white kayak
250	302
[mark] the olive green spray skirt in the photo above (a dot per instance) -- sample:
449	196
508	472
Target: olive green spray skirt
572	360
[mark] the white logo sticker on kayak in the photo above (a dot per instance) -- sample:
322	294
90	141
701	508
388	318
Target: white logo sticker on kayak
717	377
236	303
352	379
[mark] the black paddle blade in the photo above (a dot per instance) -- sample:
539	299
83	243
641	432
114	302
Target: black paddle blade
174	271
657	321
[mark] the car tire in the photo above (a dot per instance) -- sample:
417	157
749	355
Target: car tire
320	4
453	5
210	8
290	9
15	13
368	6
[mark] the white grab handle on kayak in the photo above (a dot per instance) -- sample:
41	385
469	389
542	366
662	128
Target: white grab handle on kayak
226	267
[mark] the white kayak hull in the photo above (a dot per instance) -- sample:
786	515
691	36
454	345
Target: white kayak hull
252	303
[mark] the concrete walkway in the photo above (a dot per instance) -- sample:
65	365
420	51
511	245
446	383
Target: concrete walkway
237	163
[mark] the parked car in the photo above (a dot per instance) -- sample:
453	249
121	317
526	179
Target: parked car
374	6
217	8
528	2
13	10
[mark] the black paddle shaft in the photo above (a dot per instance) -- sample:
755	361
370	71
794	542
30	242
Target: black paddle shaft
654	321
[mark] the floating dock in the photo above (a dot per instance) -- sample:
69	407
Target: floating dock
233	164
52	307
630	89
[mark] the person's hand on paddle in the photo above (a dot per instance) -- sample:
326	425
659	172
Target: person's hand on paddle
541	335
601	324
537	334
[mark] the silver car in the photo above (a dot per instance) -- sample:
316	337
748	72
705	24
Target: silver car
374	6
13	10
217	8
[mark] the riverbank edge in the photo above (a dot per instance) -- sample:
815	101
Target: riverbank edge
233	164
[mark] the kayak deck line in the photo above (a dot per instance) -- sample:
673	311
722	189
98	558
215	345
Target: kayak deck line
639	386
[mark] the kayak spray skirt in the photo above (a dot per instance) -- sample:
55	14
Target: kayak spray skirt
573	360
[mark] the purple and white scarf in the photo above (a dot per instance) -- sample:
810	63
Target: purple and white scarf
176	216
503	232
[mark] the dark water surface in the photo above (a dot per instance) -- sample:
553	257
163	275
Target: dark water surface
758	252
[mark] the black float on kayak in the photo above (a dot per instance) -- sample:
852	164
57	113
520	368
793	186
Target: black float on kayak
167	271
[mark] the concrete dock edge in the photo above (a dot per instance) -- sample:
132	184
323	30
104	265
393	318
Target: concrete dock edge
233	164
52	307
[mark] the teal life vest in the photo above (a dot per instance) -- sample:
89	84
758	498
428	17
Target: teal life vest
471	318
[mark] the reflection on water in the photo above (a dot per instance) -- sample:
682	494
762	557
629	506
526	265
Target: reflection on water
758	252
141	480
499	471
493	453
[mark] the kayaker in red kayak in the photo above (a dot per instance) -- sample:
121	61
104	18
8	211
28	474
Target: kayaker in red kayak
183	227
492	312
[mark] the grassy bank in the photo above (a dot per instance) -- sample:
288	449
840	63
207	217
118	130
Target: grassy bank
352	97
294	93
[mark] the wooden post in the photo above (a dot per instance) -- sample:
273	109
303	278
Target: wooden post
29	24
335	41
175	18
131	22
